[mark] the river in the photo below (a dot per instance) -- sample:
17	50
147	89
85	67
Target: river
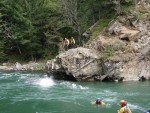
34	92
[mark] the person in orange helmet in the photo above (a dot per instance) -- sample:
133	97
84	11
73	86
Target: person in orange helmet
124	108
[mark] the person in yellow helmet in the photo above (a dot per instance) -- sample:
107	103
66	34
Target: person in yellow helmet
66	43
72	41
124	108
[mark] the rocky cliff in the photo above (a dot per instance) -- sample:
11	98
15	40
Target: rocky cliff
121	53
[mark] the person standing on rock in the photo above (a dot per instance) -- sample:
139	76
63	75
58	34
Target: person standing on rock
124	108
66	43
72	41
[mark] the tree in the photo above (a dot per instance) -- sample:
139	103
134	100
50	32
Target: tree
2	51
31	25
70	13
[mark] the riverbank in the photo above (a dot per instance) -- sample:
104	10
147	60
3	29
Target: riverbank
37	66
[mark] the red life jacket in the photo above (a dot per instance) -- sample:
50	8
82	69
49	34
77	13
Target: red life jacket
98	102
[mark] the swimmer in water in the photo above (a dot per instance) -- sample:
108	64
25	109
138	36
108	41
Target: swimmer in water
99	101
124	108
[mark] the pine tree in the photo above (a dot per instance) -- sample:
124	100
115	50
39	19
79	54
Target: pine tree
2	54
32	27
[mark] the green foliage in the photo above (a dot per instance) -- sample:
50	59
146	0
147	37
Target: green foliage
144	10
92	11
100	25
107	52
1	23
28	22
2	54
113	45
128	6
141	13
33	29
125	9
2	51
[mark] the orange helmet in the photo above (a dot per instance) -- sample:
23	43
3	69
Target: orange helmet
123	102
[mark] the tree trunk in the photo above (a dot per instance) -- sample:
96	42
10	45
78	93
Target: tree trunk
69	8
118	6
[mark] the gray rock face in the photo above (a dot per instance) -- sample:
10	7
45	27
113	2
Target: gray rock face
137	67
79	64
129	38
82	64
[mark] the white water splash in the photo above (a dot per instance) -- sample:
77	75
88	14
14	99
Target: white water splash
5	76
111	100
135	107
73	85
46	82
81	87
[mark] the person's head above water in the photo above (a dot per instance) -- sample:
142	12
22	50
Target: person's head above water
123	103
98	100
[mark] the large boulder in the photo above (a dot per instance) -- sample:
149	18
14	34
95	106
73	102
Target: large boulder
129	66
80	64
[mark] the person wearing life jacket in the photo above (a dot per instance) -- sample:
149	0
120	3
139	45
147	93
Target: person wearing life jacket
66	43
124	108
99	101
72	41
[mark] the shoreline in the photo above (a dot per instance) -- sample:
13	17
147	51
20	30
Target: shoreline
43	70
30	66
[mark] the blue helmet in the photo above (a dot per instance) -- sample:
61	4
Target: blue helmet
148	111
99	99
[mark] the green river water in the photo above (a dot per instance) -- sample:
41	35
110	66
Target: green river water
34	92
